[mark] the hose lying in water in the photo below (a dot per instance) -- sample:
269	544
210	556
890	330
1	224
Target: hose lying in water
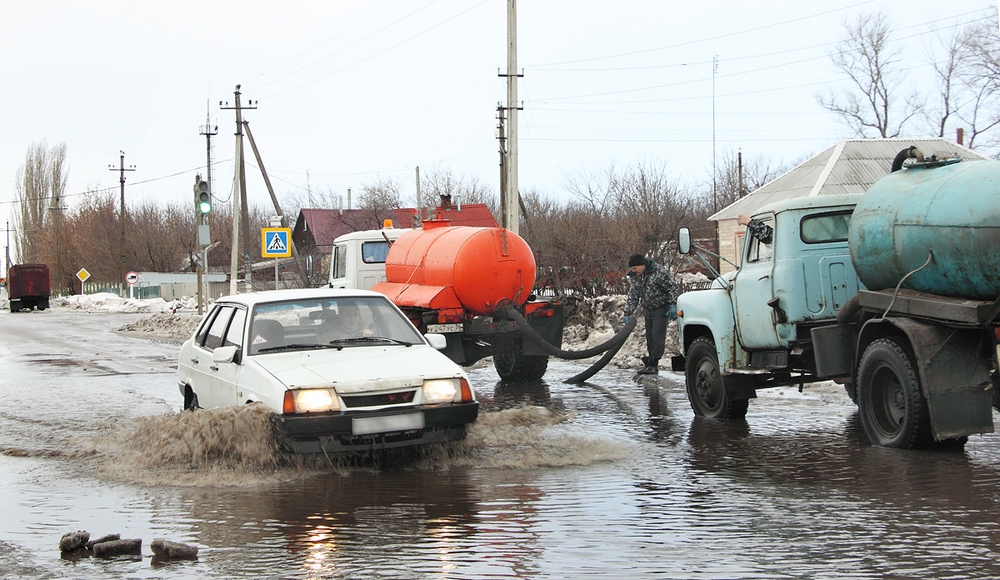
612	346
600	364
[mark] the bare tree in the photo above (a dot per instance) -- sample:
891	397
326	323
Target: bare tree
980	78
378	199
40	179
872	104
462	189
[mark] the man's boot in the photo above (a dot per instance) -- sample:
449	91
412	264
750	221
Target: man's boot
645	361
652	368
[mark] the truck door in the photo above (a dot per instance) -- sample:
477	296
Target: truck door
752	290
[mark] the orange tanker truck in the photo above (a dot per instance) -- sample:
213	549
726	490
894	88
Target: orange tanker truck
471	284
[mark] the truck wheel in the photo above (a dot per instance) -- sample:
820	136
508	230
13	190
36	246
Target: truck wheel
705	389
513	365
893	410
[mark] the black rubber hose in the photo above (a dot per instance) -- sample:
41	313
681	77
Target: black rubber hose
603	362
616	341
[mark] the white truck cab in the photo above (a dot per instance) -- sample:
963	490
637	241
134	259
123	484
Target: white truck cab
358	258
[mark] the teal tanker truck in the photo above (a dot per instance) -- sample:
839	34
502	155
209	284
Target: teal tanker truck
894	293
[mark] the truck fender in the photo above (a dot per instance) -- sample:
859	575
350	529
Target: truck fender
710	313
954	376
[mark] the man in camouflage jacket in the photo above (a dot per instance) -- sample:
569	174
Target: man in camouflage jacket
653	287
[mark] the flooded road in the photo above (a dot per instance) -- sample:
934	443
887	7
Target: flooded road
609	478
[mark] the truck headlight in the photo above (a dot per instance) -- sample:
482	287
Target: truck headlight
310	401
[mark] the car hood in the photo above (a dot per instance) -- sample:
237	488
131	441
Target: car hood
359	369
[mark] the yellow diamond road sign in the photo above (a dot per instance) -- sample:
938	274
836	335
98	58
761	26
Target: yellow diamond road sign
276	242
83	274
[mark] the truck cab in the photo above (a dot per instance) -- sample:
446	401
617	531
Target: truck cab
752	328
358	258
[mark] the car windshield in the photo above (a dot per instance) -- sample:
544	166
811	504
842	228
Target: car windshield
356	321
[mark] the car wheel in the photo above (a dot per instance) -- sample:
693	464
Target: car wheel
705	388
893	409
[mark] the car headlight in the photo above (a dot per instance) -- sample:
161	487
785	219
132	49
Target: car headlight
446	391
310	401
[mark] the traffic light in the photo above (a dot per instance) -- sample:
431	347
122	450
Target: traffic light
203	197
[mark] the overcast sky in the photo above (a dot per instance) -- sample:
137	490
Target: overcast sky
350	92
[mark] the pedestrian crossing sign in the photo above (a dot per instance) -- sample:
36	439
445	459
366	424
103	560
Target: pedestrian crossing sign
276	242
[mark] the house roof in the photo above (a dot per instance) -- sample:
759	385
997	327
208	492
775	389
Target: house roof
850	166
326	225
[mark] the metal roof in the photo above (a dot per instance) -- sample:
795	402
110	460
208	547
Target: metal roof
850	166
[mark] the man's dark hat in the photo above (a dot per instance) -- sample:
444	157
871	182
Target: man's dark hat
636	260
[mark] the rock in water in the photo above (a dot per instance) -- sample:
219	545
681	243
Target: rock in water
118	548
107	538
74	541
173	550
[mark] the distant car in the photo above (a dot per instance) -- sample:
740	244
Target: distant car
370	382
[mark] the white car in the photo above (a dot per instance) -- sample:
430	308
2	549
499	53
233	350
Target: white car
345	369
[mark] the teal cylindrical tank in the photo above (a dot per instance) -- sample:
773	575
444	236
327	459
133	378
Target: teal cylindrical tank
949	209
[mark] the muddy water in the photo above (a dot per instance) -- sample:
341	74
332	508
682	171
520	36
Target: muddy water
610	478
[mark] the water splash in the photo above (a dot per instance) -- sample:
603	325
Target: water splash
244	446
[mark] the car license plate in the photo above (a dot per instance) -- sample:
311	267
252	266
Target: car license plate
369	425
439	328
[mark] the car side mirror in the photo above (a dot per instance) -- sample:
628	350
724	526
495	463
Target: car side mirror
224	354
684	241
438	341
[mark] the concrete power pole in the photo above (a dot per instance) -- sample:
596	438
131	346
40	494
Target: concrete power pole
121	169
512	196
240	212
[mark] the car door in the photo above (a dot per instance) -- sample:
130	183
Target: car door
197	359
752	290
213	339
226	375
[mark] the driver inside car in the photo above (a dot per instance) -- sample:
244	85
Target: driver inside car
345	324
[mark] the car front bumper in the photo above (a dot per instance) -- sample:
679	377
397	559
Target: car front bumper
338	433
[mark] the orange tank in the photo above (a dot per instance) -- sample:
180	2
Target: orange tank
442	266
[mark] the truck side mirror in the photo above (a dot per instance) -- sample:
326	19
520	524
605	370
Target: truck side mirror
684	241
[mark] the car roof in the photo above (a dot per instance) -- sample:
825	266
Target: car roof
254	298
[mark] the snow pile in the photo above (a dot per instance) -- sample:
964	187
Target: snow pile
592	321
108	302
164	326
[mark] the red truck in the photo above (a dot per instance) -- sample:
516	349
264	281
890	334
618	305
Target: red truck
28	287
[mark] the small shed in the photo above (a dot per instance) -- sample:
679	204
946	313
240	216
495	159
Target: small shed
850	166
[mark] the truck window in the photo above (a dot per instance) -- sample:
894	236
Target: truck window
758	251
340	261
374	252
827	227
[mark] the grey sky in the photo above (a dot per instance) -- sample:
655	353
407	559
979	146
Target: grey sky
351	91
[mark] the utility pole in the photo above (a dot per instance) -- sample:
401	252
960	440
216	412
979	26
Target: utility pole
503	163
715	69
240	212
511	202
419	219
207	130
277	208
121	169
57	207
7	263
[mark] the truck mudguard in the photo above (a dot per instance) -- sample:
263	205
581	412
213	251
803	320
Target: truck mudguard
710	313
953	375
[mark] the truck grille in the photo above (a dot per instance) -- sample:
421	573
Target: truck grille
379	400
